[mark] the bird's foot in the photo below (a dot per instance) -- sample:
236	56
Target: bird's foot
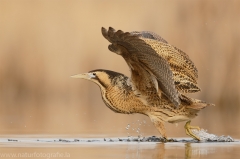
188	128
165	139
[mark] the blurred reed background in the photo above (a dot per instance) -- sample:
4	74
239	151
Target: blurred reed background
43	43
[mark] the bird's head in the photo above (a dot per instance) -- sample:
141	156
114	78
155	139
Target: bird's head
103	78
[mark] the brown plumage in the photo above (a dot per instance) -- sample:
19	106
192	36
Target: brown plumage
160	74
151	74
185	73
118	95
159	61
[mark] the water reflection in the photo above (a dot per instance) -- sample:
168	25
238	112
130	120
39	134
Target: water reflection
127	150
183	150
191	151
143	151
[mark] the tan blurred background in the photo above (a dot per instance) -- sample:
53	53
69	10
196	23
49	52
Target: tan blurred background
43	43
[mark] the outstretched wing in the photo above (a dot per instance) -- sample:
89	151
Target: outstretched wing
145	63
184	71
149	35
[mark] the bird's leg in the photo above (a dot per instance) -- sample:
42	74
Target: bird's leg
188	128
161	128
159	124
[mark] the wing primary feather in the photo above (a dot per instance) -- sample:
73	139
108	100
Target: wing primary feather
149	35
166	65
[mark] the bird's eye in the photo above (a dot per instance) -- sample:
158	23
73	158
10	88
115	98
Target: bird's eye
92	75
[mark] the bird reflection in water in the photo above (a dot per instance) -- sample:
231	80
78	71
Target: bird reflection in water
165	151
154	151
193	151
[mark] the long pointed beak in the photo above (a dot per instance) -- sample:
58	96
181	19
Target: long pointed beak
83	76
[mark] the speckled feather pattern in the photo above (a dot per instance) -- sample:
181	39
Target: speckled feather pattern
137	53
184	71
119	96
173	54
160	74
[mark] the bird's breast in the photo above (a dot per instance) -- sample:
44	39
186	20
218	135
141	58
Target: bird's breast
122	101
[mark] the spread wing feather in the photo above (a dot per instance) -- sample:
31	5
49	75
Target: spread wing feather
136	51
184	71
149	35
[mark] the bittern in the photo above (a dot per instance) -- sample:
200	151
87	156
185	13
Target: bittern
160	75
118	95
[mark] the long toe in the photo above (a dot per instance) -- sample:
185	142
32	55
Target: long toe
188	128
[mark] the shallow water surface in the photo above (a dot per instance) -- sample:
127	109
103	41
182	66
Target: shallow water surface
90	148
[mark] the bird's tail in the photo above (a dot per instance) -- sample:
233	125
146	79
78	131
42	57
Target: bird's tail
195	105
